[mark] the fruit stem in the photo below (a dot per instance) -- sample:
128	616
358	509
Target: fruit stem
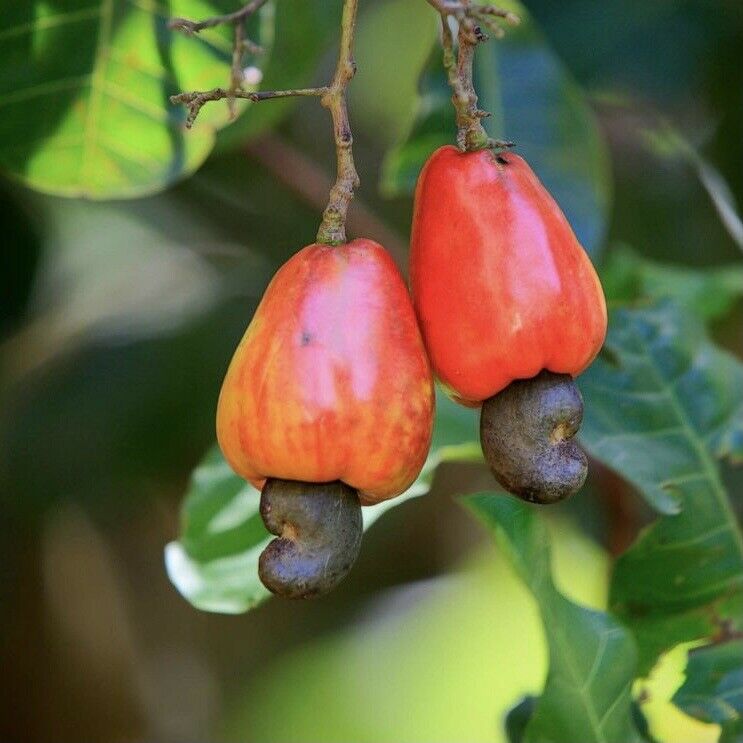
471	134
332	229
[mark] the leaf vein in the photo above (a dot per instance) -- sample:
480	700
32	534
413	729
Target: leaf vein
42	89
96	80
50	21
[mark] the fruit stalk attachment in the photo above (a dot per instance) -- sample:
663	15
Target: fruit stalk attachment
470	18
333	226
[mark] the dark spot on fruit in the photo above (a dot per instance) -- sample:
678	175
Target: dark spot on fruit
500	159
306	338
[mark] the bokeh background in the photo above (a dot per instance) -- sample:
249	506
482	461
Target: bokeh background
119	319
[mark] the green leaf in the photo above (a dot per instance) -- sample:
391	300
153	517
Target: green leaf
732	732
518	718
587	695
661	404
710	292
84	89
535	103
386	118
713	690
215	563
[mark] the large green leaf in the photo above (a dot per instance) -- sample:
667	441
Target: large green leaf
535	103
710	292
587	695
215	562
662	404
84	87
713	690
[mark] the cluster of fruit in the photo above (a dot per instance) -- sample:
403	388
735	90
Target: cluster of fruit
328	403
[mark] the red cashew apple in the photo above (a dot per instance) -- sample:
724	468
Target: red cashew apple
330	383
504	291
500	283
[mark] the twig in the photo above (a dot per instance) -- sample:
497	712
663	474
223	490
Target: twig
471	134
195	100
332	229
461	9
239	16
240	45
333	226
726	632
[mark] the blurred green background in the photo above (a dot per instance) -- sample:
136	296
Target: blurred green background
120	316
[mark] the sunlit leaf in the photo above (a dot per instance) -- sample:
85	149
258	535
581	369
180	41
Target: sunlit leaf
84	88
587	695
662	403
536	104
215	562
641	723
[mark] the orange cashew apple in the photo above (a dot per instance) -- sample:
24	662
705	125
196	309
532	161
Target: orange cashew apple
329	385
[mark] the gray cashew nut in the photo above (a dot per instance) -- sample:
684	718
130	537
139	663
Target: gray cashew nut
527	431
319	528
